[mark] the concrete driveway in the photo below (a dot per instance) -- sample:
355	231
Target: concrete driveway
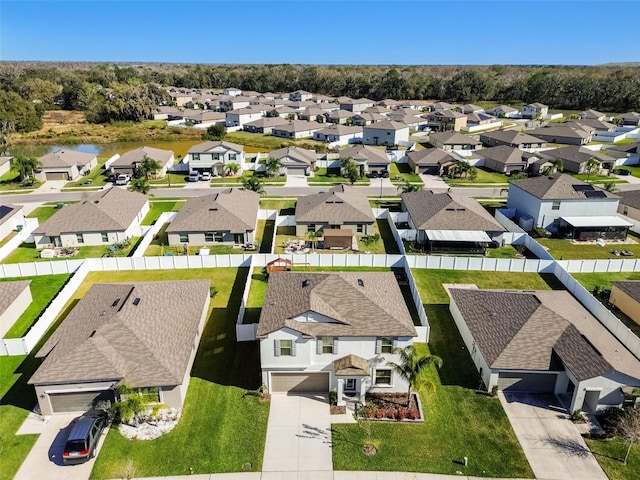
551	443
299	437
45	458
296	181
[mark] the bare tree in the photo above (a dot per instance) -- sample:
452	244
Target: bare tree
629	429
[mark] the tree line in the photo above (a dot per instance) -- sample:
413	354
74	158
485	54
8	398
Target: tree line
130	92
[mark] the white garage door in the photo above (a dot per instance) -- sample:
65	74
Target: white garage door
296	171
78	401
300	382
527	382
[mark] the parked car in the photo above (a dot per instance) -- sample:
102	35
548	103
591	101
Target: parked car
384	173
622	171
123	179
193	177
372	174
206	176
83	437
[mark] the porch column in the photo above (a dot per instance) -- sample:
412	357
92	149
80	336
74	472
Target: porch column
341	401
364	386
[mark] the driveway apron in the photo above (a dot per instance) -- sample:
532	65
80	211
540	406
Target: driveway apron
299	435
551	443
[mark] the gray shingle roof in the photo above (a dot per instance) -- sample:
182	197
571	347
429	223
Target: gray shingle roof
234	210
336	129
559	131
9	291
375	308
511	137
110	210
503	154
294	155
631	288
299	126
268	122
558	186
143	344
576	153
362	153
386	125
222	146
431	156
339	205
448	211
453	138
133	157
66	159
630	198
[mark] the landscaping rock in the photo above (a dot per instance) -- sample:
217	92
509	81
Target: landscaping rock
153	427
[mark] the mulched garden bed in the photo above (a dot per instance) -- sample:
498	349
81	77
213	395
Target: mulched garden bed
391	406
336	410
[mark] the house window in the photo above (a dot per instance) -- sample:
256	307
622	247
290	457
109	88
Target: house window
360	228
311	227
625	210
184	237
385	345
382	377
232	157
555	205
208	237
80	237
327	345
195	157
218	236
105	237
285	348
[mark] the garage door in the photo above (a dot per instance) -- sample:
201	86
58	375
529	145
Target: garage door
78	401
527	382
300	382
56	175
296	171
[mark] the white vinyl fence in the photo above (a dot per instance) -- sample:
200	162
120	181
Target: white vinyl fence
246	332
30	224
151	232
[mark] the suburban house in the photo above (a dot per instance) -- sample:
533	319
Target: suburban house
130	161
625	295
339	116
300	96
439	106
232	91
123	333
591	125
504	111
365	118
342	207
482	118
563	204
450	223
504	159
340	134
369	158
167	113
264	125
441	120
451	140
356	105
15	297
228	217
534	110
592	115
180	99
239	116
309	342
431	161
630	204
204	118
295	160
386	133
215	157
574	158
511	138
543	341
630	119
5	165
65	165
235	103
314	114
104	218
413	121
561	134
11	218
469	108
297	129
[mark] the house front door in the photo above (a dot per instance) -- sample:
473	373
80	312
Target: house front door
350	385
56	241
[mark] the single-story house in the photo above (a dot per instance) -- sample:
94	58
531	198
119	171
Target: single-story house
625	295
341	134
469	108
264	125
123	332
15	297
357	105
574	158
232	91
104	218
561	134
533	110
450	223
341	207
629	205
235	102
65	165
504	111
386	133
511	138
630	119
439	106
548	199
591	125
204	118
446	119
166	113
297	129
452	140
295	160
11	218
592	115
131	160
215	157
365	118
478	119
368	158
339	116
5	165
431	161
504	159
333	331
228	217
314	114
543	341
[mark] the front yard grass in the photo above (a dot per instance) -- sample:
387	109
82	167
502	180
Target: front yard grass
97	177
45	212
171	178
321	177
159	207
401	172
43	289
27	252
610	453
11	181
562	249
483	176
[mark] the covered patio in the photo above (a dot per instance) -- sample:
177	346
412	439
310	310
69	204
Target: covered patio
594	227
457	241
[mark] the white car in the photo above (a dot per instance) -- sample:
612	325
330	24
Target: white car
206	176
123	179
193	176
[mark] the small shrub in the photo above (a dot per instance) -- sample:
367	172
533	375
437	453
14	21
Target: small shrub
333	397
610	418
391	414
213	291
577	416
414	414
402	414
380	413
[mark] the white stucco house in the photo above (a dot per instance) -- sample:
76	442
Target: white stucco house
385	132
241	116
333	331
215	157
339	134
65	165
11	218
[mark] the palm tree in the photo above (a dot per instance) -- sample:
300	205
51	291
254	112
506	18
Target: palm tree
314	236
254	184
233	168
591	166
412	364
140	185
272	165
25	166
409	187
148	167
610	187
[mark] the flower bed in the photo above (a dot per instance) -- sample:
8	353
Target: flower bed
391	407
152	427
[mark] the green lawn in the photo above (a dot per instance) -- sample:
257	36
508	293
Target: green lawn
598	179
610	453
266	143
11	181
97	176
483	176
321	176
562	249
43	213
257	292
43	289
266	243
27	252
267	180
403	173
158	207
171	178
284	207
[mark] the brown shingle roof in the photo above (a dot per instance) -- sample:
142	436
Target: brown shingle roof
631	288
511	137
361	304
448	211
109	210
234	210
222	146
558	186
9	291
144	343
351	365
137	156
339	205
431	156
503	154
386	125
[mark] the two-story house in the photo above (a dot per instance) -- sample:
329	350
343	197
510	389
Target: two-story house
386	133
533	110
240	116
215	157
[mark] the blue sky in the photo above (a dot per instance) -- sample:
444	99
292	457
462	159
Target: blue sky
323	32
